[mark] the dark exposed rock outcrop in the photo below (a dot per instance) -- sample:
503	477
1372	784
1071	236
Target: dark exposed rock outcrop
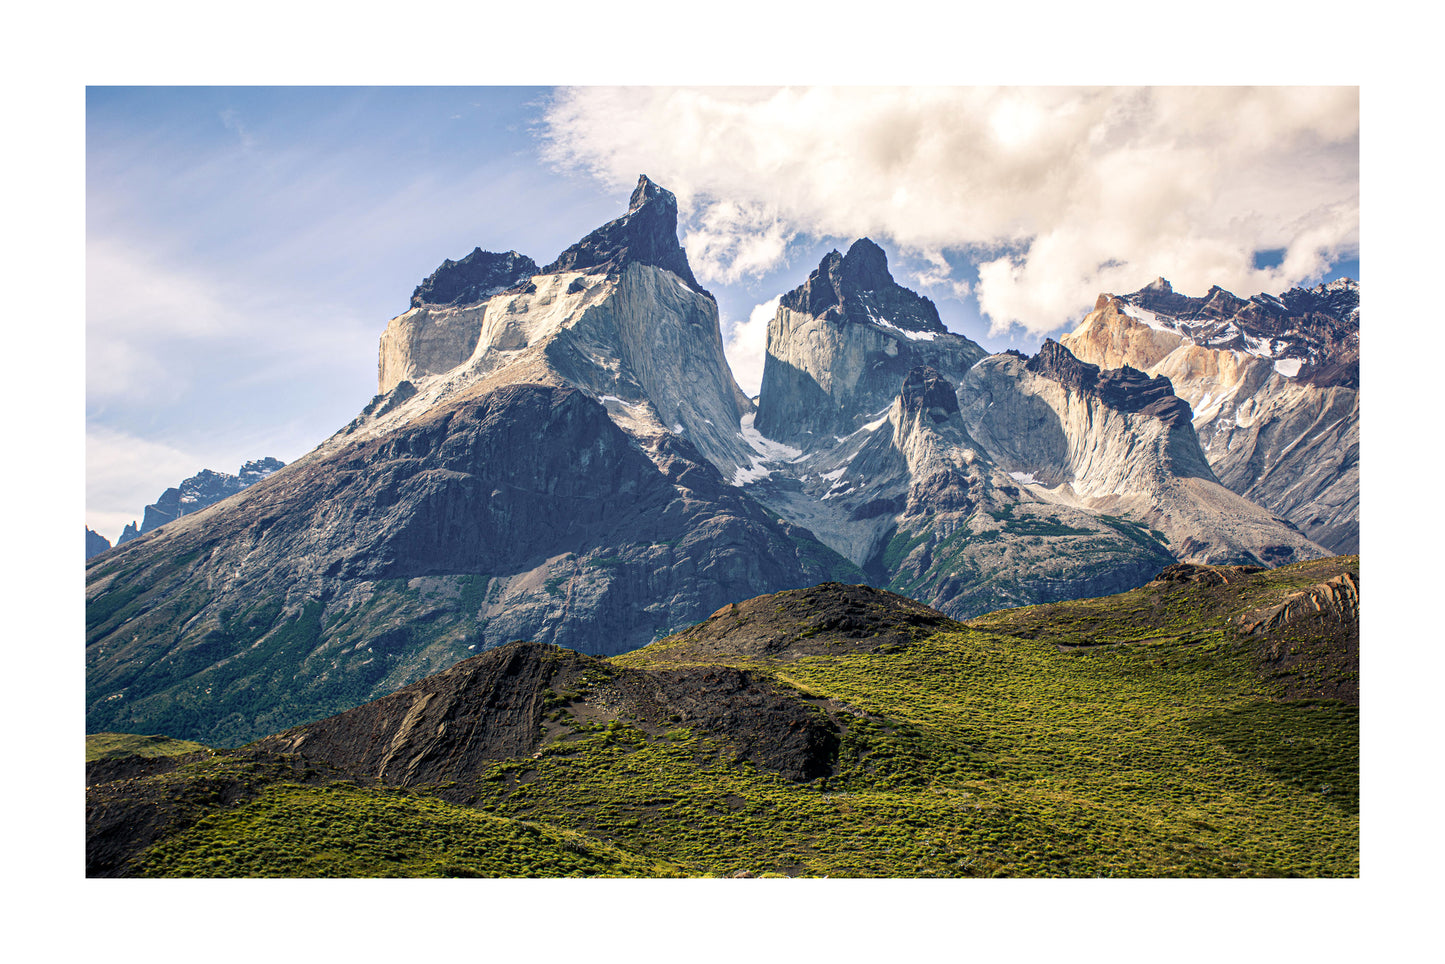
448	727
825	619
925	391
646	234
473	279
1123	389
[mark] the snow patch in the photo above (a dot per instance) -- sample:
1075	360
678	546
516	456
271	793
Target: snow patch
910	335
1147	317
769	450
1027	478
752	473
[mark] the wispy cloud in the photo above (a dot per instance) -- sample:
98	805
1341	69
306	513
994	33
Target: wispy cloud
1056	193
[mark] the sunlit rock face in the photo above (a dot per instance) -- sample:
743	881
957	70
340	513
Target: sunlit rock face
1273	383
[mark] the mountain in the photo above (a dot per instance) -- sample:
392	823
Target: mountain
974	482
559	483
207	487
1273	383
1203	724
562	455
94	542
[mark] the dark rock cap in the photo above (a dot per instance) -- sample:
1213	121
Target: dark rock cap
473	279
646	234
858	286
1123	389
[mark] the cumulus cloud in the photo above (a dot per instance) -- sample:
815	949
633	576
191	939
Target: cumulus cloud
747	344
1055	193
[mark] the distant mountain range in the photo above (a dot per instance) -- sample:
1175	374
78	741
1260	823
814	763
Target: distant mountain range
562	455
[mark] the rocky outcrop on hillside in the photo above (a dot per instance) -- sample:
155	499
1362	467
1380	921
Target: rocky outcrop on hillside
1272	383
827	619
507	703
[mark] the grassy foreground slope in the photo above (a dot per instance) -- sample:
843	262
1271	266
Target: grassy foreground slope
1135	735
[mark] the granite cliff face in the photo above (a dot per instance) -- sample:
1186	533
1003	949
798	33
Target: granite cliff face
1273	384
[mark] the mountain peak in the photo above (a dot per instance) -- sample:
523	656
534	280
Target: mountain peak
858	287
646	234
647	191
866	266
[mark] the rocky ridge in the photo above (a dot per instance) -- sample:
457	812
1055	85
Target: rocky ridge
1272	383
95	543
203	489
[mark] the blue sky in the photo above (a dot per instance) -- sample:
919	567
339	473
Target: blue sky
246	246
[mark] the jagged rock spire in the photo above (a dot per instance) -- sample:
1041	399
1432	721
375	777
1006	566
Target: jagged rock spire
646	234
858	286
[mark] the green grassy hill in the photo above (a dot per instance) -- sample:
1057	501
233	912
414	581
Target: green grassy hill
1144	734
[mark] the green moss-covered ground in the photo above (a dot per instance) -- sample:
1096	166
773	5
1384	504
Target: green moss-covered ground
1132	736
110	746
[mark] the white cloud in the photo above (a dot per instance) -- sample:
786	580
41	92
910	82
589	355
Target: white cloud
938	274
747	344
1059	193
